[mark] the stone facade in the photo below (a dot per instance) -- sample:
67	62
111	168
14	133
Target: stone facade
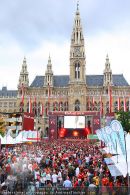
74	92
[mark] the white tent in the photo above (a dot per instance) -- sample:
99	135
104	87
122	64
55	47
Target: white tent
20	138
7	139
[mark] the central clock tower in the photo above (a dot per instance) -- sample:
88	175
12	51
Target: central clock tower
77	83
77	52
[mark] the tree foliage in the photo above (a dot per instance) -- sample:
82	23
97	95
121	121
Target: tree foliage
124	118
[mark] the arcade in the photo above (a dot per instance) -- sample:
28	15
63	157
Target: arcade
72	124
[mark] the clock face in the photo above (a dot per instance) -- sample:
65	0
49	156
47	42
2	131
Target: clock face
77	51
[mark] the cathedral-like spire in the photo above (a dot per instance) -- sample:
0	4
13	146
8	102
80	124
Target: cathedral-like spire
77	5
49	73
23	78
77	34
107	72
77	51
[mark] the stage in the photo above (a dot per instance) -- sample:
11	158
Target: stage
73	124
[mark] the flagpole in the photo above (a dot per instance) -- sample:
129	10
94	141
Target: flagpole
127	164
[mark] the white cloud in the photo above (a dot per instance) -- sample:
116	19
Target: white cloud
116	44
108	31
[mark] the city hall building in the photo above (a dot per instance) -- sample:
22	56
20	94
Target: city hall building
65	95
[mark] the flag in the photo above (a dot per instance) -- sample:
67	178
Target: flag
124	104
110	99
89	103
93	104
49	91
30	105
101	107
118	104
22	91
42	109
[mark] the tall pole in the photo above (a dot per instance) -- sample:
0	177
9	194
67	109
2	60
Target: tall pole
127	166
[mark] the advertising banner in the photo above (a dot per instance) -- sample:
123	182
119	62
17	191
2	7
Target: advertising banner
28	121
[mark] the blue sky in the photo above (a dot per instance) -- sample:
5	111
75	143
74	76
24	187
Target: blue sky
36	28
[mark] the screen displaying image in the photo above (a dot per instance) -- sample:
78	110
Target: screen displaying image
74	122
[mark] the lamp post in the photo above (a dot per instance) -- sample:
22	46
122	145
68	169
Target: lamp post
127	165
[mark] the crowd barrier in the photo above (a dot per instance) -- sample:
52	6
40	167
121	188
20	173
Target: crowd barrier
69	191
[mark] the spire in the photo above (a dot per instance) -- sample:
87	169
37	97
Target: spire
107	64
49	73
77	51
77	34
49	59
49	65
77	5
23	78
107	72
107	58
24	60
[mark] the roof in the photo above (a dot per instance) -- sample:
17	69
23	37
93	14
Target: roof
91	80
61	81
38	82
8	93
97	80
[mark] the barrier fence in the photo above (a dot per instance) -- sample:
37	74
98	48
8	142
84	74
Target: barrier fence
32	190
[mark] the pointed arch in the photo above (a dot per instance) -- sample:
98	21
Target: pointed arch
61	106
66	106
107	107
77	70
77	105
55	106
115	106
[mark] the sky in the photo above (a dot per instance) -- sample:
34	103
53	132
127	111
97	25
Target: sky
35	29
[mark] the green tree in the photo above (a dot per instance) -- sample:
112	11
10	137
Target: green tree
124	118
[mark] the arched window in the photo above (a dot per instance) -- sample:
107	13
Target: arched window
99	106
77	70
127	106
60	106
38	109
107	107
77	105
47	108
115	106
95	106
66	106
55	106
122	106
34	108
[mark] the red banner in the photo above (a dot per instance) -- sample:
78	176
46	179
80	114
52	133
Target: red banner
28	121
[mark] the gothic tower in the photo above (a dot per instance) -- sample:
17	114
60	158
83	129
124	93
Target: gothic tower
49	74
107	74
77	52
23	78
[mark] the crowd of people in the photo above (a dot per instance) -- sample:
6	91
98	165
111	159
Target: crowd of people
58	164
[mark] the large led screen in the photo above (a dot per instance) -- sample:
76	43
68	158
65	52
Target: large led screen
74	122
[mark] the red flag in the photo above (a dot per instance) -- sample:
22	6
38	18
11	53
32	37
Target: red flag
101	107
42	109
49	92
89	103
93	103
118	104
110	99
124	104
30	105
22	90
